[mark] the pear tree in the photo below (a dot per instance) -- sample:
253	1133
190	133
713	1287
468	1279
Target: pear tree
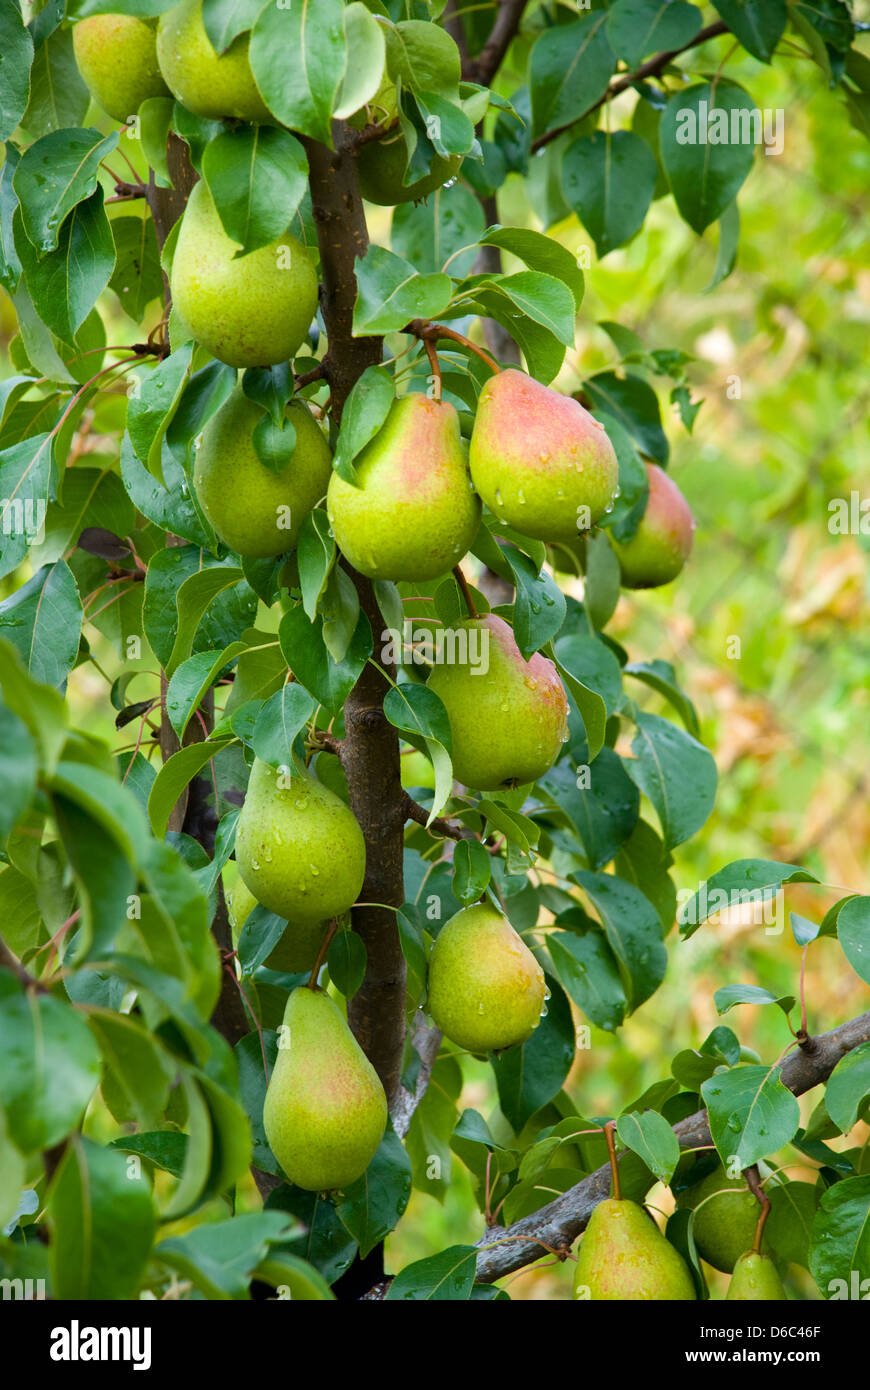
325	787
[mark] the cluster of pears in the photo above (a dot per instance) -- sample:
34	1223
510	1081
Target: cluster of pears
726	1232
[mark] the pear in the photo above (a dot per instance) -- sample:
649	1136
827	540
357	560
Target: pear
508	716
663	541
624	1256
725	1225
116	55
298	847
295	951
255	511
416	769
486	990
540	461
207	83
382	163
249	312
755	1279
325	1111
413	514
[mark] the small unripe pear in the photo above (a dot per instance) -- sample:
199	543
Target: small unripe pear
726	1215
297	948
116	55
325	1111
755	1279
624	1256
298	847
382	163
660	547
209	84
252	311
486	990
254	510
413	514
508	716
540	461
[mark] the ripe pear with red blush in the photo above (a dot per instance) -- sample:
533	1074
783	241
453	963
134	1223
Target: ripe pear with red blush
412	513
662	543
508	716
539	460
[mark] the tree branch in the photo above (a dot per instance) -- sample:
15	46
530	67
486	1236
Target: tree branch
370	749
560	1222
484	67
651	68
452	830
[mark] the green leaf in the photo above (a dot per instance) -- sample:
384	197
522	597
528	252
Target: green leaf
600	800
423	57
16	55
446	1276
650	1136
746	880
165	1148
638	27
26	471
428	234
660	675
676	773
373	1204
153	404
58	96
758	24
164	503
66	283
472	870
539	609
608	179
418	712
541	298
279	721
531	1075
705	176
589	973
849	1088
729	238
390	292
178	594
569	69
316	553
173	777
223	20
220	1257
304	95
270	387
325	1243
103	1224
751	1113
18	769
363	75
43	621
633	930
853	930
54	174
729	995
590	706
51	1069
841	1238
593	662
340	609
306	653
192	679
541	253
790	1223
137	1073
257	176
347	960
634	404
365	410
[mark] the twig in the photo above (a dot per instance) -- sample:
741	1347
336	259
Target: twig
427	331
322	953
414	811
755	1186
466	592
9	962
436	368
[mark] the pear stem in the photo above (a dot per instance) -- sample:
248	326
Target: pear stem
436	369
466	592
756	1188
427	331
322	954
609	1131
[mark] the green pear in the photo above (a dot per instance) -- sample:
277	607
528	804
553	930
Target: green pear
540	462
661	545
298	847
325	1111
755	1279
486	990
116	55
416	769
252	311
725	1225
296	950
624	1256
508	716
207	83
412	514
382	163
255	511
